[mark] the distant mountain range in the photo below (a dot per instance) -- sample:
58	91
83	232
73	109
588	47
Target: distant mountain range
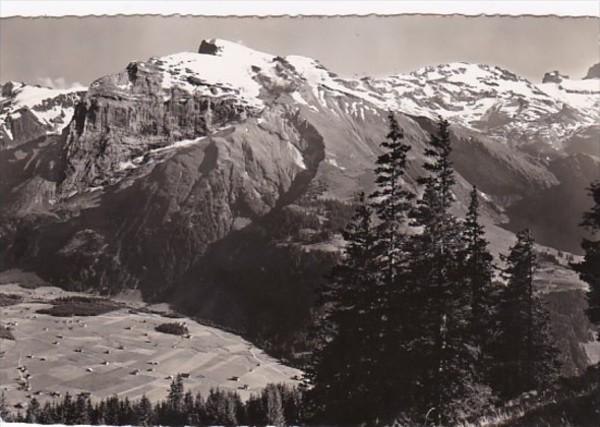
164	175
478	96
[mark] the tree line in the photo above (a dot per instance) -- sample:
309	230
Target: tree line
276	404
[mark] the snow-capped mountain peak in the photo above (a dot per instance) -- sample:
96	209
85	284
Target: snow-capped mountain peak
486	98
494	100
220	69
226	48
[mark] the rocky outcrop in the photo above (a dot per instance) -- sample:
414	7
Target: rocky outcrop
29	176
208	47
21	126
6	90
554	77
127	115
593	72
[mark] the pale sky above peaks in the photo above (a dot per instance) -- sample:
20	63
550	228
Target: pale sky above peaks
72	51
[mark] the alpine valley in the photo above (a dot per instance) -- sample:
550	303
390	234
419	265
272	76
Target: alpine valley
218	180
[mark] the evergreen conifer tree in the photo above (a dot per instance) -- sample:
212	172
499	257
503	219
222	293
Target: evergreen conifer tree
188	408
45	416
175	401
392	200
526	359
81	409
175	396
344	387
144	412
255	413
32	415
69	413
273	406
589	268
444	362
4	412
292	404
478	274
221	408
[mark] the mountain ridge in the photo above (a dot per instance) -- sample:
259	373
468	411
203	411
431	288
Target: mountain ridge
175	162
439	85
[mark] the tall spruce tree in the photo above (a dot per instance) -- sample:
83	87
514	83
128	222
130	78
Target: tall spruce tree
589	268
525	357
32	415
144	411
478	273
4	411
344	387
392	200
81	409
273	404
353	375
443	362
221	408
174	403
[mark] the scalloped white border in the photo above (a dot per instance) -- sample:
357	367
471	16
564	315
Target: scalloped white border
10	8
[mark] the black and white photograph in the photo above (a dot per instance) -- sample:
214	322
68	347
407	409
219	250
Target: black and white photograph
309	213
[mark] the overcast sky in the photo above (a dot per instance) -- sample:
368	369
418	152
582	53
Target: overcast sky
62	51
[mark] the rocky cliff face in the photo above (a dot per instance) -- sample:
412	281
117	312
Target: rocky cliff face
127	115
554	77
593	72
177	174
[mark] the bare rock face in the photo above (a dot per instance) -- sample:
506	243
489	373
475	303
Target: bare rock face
593	72
207	47
6	90
554	77
22	126
127	114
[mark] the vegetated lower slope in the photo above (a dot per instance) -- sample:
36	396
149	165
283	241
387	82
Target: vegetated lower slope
576	402
574	174
184	176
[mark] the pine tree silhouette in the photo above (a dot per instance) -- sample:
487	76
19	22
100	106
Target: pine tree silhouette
32	414
341	373
273	405
589	268
526	359
391	199
443	361
478	273
4	411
